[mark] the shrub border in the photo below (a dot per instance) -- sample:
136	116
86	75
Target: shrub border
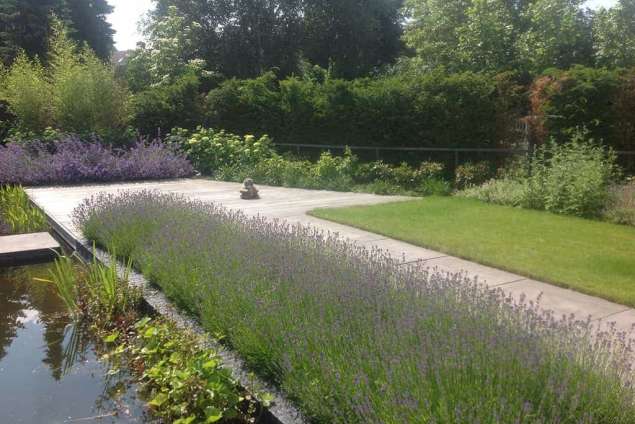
281	411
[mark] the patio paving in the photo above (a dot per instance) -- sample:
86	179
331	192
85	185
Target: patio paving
293	204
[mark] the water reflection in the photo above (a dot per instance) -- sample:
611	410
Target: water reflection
49	372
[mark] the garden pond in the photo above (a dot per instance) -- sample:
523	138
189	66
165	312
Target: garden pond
50	368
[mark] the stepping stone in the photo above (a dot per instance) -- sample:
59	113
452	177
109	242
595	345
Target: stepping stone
25	249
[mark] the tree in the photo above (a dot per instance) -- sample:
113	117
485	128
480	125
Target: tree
245	38
240	38
558	35
169	53
498	35
75	92
26	25
352	37
614	35
87	23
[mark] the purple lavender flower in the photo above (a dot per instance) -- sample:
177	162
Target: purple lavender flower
352	336
72	160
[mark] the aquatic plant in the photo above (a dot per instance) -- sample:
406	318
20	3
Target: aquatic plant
352	336
63	276
17	214
109	294
72	160
184	379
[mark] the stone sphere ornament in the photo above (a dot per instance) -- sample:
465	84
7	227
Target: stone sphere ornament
249	190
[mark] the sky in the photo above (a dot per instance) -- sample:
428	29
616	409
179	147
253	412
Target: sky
124	20
128	13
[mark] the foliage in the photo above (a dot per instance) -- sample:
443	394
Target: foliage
76	92
572	178
168	106
17	213
614	35
28	93
230	157
71	160
86	97
186	380
26	26
504	191
352	336
558	35
169	54
210	150
599	100
621	208
246	39
470	174
585	255
350	37
64	277
433	109
499	35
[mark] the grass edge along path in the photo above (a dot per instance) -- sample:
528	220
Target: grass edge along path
592	257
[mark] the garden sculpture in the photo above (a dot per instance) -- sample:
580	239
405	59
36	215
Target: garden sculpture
249	190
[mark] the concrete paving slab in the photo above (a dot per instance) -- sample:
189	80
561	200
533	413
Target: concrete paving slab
622	321
405	252
27	248
487	275
564	301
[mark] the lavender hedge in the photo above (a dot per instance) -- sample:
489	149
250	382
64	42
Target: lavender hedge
354	338
72	160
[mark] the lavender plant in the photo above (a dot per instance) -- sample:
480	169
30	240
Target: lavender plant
72	160
353	337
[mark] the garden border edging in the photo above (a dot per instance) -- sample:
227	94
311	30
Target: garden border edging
282	411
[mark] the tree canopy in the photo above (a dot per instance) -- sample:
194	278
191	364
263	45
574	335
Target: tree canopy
27	25
244	38
526	35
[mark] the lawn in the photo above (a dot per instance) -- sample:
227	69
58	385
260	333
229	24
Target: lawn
589	256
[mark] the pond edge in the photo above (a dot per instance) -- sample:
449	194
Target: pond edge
282	411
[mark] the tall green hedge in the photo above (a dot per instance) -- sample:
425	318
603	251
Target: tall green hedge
600	100
435	109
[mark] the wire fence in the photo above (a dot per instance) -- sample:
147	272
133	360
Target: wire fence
450	155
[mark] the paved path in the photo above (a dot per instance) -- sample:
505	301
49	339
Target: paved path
293	205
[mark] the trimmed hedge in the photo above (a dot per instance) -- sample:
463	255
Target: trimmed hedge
435	109
600	100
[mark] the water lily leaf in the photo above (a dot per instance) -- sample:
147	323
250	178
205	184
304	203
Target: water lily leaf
187	420
112	337
212	363
159	400
213	414
142	322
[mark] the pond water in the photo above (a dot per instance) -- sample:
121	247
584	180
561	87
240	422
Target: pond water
49	370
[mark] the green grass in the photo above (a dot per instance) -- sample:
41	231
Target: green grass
593	257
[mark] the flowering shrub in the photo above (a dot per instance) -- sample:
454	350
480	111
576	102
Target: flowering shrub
230	157
72	160
355	338
210	150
